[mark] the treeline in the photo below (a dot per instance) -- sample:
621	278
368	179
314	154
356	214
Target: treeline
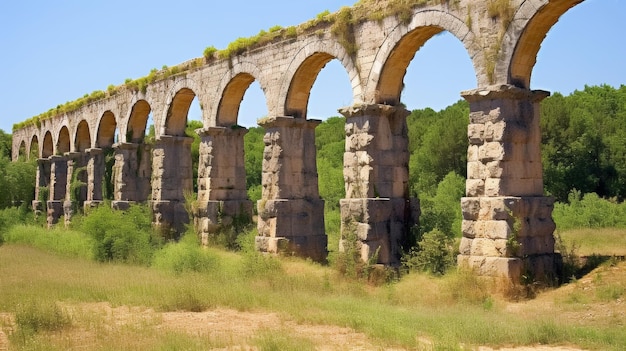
17	179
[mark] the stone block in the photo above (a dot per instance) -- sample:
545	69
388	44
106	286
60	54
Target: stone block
470	207
466	246
496	267
494	209
473	153
496	230
491	151
474	187
475	133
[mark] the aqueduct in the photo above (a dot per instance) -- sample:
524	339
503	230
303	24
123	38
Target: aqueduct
504	200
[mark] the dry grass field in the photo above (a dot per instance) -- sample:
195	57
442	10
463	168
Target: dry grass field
54	301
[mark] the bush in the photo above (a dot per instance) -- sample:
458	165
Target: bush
125	236
185	256
36	317
589	211
434	254
12	216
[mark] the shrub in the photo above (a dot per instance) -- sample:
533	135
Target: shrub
36	317
589	211
185	256
124	236
434	254
209	52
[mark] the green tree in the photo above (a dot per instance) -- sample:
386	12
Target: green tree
6	144
583	142
253	148
190	131
17	181
438	145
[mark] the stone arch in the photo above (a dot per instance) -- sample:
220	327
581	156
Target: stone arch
47	148
83	137
137	122
179	101
63	141
303	71
530	25
385	81
33	147
232	89
106	130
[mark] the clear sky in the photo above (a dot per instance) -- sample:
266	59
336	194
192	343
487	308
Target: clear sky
52	52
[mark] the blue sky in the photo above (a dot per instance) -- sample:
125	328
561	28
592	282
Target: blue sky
57	51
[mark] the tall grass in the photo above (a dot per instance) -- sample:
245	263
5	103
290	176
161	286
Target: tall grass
450	310
69	243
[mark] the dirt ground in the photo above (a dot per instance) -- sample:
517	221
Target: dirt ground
239	327
232	325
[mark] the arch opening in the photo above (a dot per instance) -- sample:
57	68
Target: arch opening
22	155
529	43
106	130
63	143
391	84
232	98
138	126
425	73
83	137
176	120
48	145
300	88
583	118
34	147
330	91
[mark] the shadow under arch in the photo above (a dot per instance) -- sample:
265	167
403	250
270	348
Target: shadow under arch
83	137
63	142
105	137
176	120
48	145
138	122
33	147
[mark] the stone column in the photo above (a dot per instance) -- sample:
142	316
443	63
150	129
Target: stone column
507	222
76	186
171	179
42	182
222	196
58	188
291	212
377	211
132	174
95	176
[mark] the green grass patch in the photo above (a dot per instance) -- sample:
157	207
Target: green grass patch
599	241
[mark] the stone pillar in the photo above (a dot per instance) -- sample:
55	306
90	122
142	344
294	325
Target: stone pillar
507	222
58	188
132	174
172	178
42	184
95	176
377	211
291	212
76	186
222	196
